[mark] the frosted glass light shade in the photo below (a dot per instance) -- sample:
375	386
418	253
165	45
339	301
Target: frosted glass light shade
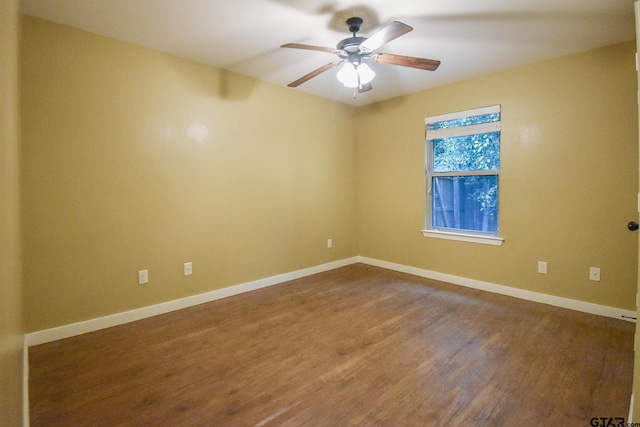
348	75
366	74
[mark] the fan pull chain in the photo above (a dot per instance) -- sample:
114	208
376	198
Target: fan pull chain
355	89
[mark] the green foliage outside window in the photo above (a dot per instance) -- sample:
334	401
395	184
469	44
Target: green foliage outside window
468	202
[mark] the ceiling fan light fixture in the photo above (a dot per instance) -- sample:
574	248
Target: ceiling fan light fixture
353	50
352	75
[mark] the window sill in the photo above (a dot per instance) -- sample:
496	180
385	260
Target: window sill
473	238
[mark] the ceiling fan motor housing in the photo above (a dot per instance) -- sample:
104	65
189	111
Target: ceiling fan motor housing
354	24
351	45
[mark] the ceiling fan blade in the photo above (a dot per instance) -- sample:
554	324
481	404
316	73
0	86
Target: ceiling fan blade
407	61
385	35
309	47
365	88
313	74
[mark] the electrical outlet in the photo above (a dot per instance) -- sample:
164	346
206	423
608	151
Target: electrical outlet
143	277
329	243
542	267
594	274
188	268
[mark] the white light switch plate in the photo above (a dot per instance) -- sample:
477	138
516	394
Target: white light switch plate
143	277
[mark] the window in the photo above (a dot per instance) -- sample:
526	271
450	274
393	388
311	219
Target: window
462	175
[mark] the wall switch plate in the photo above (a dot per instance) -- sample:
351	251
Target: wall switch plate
594	274
188	268
542	267
329	243
143	277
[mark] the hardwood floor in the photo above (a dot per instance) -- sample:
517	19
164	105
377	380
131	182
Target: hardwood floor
354	346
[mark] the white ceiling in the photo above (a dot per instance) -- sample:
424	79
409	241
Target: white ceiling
470	37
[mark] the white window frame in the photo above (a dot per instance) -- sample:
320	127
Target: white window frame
430	135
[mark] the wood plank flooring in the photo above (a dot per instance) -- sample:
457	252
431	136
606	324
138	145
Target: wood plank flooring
357	346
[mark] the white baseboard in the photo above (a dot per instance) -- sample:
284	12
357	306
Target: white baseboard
73	329
66	331
586	307
25	384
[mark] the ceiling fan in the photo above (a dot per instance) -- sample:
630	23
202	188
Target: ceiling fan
355	51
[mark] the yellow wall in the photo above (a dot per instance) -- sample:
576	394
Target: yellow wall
11	322
115	179
568	183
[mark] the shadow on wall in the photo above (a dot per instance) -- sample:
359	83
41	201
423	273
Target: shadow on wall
234	87
213	82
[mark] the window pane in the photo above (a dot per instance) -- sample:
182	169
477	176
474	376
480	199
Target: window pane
465	121
467	153
465	203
